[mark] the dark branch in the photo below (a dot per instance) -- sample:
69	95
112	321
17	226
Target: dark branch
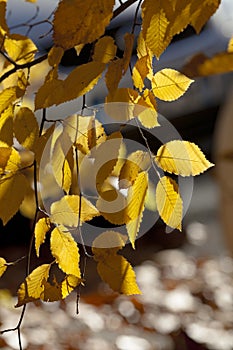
123	7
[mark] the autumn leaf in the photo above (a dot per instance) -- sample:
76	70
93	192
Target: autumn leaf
6	127
114	269
7	97
12	191
26	128
5	153
82	79
230	45
42	141
4	30
201	11
55	55
3	266
169	202
65	251
33	286
41	228
146	110
66	211
10	160
74	19
20	48
105	50
169	84
136	203
120	105
67	171
182	158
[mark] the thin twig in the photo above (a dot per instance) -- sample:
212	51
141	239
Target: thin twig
123	7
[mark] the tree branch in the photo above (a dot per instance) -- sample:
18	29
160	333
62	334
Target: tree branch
123	7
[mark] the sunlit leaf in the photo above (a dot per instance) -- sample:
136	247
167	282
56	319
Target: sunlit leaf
81	80
7	97
3	266
12	191
57	291
113	269
66	211
41	228
124	107
105	50
230	45
81	22
135	163
201	11
33	286
65	251
12	159
136	203
4	30
147	115
169	84
6	127
182	158
140	72
26	128
67	171
20	48
5	153
69	283
42	141
169	202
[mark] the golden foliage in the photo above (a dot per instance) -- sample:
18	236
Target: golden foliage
3	266
169	202
26	128
41	228
114	270
20	48
169	84
182	158
74	19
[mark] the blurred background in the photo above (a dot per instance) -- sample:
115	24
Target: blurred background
186	278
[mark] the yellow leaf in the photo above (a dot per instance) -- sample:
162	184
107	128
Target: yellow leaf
230	45
3	266
12	191
105	50
201	11
201	65
182	158
106	156
7	97
147	114
113	269
66	211
81	22
169	84
6	127
65	251
136	203
12	157
42	141
81	80
57	291
112	205
107	243
55	55
155	24
169	202
114	75
67	171
123	109
20	48
26	128
33	286
129	41
5	153
41	228
69	283
140	72
135	163
4	30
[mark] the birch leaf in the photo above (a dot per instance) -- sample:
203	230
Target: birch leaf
41	228
42	141
147	115
105	50
7	97
169	84
12	191
136	203
57	291
81	80
67	171
66	211
6	127
33	286
20	48
182	158
114	74
3	266
201	11
114	269
169	202
26	128
65	251
5	153
69	283
230	45
81	22
55	56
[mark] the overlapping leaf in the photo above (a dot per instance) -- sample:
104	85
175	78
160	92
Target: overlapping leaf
41	228
67	212
136	203
81	22
65	251
169	202
182	158
26	128
114	269
105	50
6	127
20	48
